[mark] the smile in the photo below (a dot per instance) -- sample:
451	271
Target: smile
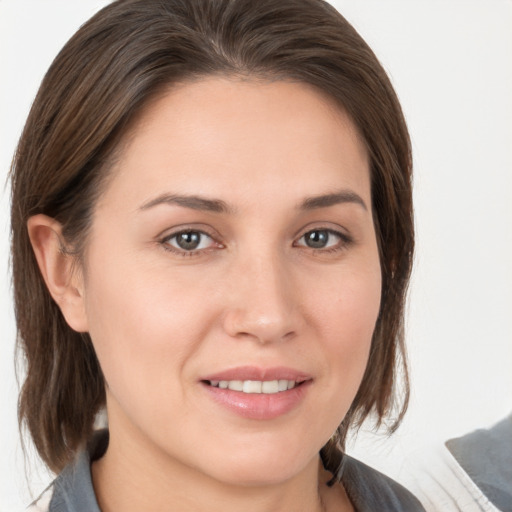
258	393
268	387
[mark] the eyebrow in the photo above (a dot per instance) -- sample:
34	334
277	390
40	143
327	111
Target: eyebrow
193	202
218	206
326	200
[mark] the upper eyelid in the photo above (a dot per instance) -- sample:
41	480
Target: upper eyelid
330	230
338	230
343	237
176	233
171	232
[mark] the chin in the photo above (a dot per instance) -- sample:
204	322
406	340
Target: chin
260	467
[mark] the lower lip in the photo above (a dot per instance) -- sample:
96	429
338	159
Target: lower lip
259	406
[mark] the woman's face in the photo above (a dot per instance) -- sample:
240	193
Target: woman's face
234	246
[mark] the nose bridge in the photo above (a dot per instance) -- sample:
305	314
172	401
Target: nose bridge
262	304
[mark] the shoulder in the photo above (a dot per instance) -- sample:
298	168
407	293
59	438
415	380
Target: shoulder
441	483
72	490
486	456
42	504
484	445
370	490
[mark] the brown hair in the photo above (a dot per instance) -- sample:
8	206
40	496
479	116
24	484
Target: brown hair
103	77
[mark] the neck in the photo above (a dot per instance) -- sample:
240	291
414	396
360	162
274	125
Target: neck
124	482
133	476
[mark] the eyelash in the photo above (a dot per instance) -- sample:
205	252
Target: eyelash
344	242
165	243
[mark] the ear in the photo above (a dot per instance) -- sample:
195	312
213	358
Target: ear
63	279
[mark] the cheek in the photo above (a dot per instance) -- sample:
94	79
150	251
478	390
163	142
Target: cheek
348	304
346	314
143	326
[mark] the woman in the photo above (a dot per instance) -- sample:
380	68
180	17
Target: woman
212	239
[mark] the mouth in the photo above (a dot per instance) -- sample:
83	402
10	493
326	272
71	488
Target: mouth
258	393
267	387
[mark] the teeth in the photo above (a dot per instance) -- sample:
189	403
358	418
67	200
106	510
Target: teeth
268	387
236	385
282	385
252	386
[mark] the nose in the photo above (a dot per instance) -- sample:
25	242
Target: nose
262	304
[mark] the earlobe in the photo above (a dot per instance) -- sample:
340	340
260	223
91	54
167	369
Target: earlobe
57	267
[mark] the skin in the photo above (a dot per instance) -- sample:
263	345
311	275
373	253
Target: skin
254	293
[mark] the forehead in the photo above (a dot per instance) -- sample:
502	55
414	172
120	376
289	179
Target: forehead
216	135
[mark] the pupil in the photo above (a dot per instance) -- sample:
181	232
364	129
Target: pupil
188	241
317	239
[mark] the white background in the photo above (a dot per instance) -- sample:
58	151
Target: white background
451	63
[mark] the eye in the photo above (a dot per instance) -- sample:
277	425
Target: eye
189	241
320	239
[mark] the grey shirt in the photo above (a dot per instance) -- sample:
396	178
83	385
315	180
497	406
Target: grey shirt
486	456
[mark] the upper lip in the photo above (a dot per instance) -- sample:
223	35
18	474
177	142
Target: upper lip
259	373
